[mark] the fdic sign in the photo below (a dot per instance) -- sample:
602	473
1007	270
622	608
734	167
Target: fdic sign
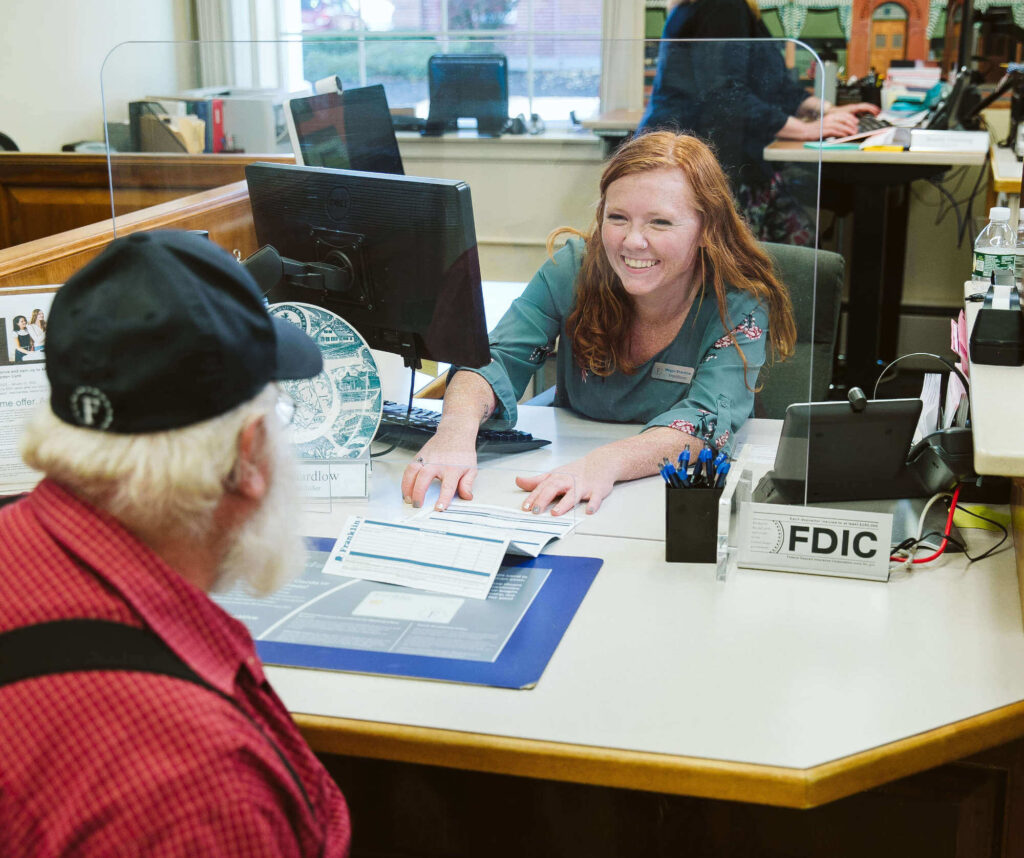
814	540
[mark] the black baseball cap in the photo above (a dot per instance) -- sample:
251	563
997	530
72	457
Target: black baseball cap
162	330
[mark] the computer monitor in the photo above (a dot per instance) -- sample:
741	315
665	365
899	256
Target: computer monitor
467	86
395	256
946	113
837	454
350	130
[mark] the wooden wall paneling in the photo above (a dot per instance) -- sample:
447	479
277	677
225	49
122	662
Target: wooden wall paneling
43	194
224	212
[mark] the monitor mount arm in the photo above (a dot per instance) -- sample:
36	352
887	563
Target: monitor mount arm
323	280
269	268
1013	79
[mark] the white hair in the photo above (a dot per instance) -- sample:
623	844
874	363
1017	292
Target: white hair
153	482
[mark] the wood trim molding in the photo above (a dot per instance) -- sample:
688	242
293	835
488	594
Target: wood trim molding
224	212
731	781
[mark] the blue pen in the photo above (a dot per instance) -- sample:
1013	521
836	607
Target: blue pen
722	473
704	460
677	482
684	460
669	476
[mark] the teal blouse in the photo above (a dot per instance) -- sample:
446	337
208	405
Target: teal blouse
698	384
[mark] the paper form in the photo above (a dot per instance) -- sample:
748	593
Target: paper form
461	560
528	533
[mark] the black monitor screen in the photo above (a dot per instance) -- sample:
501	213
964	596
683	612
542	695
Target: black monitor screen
946	113
473	86
397	255
349	130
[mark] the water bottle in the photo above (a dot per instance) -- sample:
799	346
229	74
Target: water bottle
996	246
1018	271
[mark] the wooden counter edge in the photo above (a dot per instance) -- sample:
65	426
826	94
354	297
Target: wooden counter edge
61	254
716	779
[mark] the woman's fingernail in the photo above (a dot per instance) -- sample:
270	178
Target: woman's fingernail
536	509
406	499
439	506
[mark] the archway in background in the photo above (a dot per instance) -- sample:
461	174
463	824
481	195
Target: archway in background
858	57
888	37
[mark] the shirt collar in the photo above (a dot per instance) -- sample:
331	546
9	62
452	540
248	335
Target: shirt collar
214	644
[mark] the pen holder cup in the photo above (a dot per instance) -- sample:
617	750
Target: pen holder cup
691	524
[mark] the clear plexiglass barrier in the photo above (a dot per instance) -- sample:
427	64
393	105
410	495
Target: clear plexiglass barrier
502	142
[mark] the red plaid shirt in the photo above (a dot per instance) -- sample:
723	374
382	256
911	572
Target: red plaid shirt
120	763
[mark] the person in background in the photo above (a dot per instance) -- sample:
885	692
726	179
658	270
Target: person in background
739	96
663	313
22	339
167	475
37	329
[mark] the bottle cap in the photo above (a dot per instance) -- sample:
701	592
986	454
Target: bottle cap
999	213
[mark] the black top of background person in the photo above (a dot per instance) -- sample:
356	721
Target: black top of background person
736	95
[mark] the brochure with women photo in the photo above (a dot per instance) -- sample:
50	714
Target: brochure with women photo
22	376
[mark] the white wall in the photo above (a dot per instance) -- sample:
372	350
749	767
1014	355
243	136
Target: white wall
52	56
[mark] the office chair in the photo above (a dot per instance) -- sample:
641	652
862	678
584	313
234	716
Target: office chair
790	381
784	381
7	144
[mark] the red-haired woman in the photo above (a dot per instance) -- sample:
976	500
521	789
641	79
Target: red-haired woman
664	313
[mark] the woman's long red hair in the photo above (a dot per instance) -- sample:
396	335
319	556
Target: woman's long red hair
600	323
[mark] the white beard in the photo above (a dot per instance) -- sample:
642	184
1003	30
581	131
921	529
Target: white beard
268	552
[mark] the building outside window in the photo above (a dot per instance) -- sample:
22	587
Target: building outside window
553	46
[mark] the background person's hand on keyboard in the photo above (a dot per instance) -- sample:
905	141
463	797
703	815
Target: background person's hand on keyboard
837	122
867	122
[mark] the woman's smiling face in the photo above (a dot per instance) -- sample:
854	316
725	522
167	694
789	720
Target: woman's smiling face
651	234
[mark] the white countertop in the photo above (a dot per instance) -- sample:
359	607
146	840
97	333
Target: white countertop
997	410
764	668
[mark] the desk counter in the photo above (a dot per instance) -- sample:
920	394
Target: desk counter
765	687
997	411
795	151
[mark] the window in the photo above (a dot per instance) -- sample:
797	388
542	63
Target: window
553	46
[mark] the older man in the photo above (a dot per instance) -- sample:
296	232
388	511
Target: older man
136	718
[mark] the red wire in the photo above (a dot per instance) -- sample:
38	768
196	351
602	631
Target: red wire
945	533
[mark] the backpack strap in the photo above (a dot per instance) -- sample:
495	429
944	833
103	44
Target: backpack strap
73	646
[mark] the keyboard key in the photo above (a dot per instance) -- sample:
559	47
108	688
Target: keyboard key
422	424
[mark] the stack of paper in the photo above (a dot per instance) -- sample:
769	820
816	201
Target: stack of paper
458	551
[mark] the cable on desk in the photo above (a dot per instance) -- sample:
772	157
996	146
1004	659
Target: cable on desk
946	362
955	178
1006	535
909	558
408	411
969	215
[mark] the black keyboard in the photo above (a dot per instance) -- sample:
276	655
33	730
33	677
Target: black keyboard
422	424
867	122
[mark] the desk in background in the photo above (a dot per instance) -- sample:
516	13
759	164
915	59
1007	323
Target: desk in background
1006	177
613	126
879	183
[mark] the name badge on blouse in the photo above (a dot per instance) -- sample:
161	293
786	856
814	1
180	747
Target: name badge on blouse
671	372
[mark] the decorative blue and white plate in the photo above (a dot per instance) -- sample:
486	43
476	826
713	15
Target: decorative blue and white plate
336	412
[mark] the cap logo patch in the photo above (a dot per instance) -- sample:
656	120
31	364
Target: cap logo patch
90	407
